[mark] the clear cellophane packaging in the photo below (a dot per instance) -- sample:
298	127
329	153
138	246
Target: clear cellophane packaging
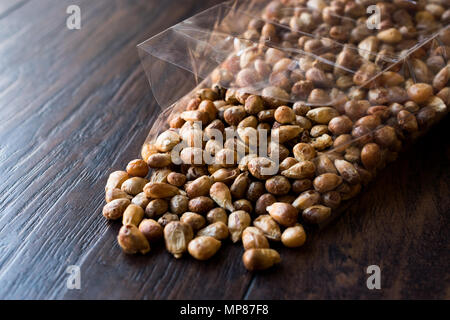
362	59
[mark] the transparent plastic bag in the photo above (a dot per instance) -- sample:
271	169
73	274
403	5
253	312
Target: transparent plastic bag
324	60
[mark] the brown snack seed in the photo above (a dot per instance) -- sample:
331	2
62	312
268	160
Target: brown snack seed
371	156
262	168
176	179
160	190
195	220
166	218
137	168
218	230
133	214
156	208
159	160
114	209
255	190
220	193
199	187
252	238
141	200
347	171
303	152
260	259
115	193
300	185
243	204
116	179
283	213
151	229
327	182
167	140
293	237
134	185
306	199
284	115
203	247
278	185
177	236
237	222
420	92
201	204
132	241
217	215
179	204
316	214
240	185
301	170
331	199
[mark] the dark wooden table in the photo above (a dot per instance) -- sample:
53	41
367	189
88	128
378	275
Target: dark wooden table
75	105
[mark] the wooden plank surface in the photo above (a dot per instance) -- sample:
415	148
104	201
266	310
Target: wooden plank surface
75	105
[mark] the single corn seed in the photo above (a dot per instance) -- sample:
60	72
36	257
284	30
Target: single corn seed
137	168
316	214
220	193
260	259
115	209
268	226
283	213
177	236
133	214
132	240
237	222
199	187
195	220
116	179
203	247
253	237
115	193
218	230
134	185
151	229
160	190
293	237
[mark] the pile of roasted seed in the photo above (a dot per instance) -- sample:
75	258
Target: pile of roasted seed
333	121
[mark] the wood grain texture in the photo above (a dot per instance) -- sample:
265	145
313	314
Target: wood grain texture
75	105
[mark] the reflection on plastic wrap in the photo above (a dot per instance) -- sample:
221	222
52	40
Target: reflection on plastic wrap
358	93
